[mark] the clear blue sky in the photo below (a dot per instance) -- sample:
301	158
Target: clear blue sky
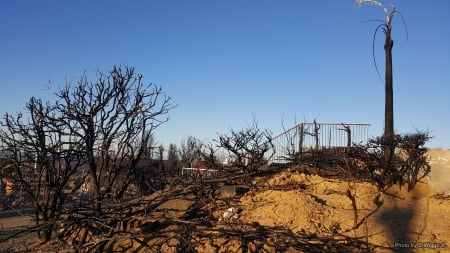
227	62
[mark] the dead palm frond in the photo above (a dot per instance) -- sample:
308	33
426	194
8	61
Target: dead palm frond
385	26
378	4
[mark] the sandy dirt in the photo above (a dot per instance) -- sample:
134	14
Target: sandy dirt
419	218
416	221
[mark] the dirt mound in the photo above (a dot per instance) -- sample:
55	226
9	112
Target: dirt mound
312	204
401	220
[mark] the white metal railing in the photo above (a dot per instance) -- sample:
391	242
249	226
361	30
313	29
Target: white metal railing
194	173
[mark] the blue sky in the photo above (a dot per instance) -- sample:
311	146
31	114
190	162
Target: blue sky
227	62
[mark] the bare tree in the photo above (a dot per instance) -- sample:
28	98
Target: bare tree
161	153
42	160
149	147
409	165
173	161
97	133
248	145
291	152
209	156
108	116
413	161
148	168
191	151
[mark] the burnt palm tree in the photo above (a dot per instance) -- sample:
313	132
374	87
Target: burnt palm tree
386	27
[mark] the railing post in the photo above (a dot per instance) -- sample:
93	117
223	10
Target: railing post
316	134
301	133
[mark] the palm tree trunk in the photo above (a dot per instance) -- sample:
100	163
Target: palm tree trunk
389	99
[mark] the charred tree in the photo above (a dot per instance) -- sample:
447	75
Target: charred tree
42	161
191	151
249	146
110	116
386	26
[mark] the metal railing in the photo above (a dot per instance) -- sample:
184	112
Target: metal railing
307	137
195	173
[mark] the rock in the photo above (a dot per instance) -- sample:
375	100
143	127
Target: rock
227	191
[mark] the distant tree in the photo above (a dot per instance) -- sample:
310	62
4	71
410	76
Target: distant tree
386	26
209	156
173	160
147	168
191	151
148	147
161	152
161	165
